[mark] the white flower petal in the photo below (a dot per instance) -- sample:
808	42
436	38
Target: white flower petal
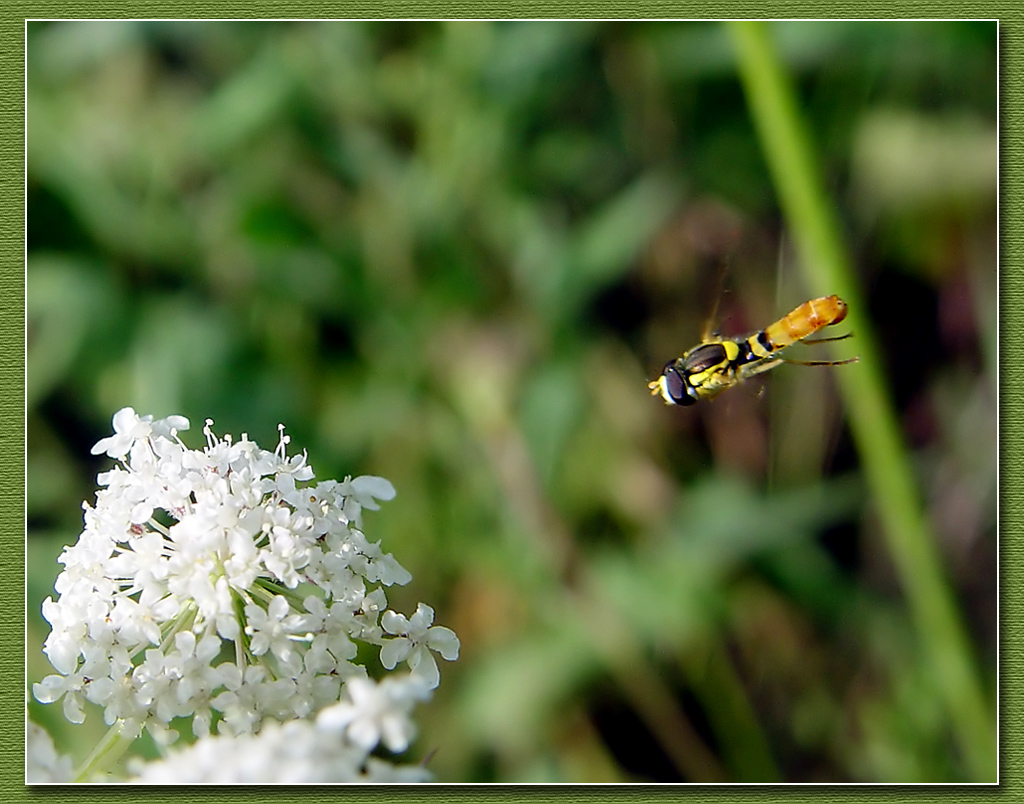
393	651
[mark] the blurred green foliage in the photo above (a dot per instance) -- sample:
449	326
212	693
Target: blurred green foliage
452	254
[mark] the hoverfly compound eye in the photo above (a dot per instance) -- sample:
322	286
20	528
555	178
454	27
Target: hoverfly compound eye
677	389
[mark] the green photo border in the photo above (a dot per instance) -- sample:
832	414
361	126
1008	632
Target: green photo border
12	401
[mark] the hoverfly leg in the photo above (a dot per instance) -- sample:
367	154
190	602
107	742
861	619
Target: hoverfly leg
828	340
820	362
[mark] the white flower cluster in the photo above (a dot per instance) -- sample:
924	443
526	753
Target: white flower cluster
42	762
217	585
332	748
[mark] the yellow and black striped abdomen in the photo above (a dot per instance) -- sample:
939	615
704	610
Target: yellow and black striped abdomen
805	320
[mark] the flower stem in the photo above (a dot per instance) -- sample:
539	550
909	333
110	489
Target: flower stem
873	423
106	753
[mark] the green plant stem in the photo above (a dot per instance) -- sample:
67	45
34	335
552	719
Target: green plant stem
105	755
873	424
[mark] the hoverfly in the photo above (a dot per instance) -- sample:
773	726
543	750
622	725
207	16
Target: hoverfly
718	363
